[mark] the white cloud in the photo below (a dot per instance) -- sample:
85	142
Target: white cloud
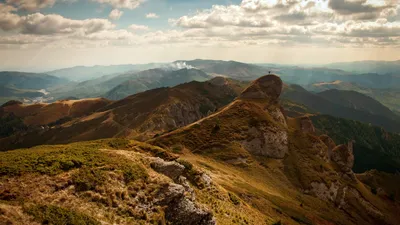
127	4
115	14
292	22
31	5
55	24
136	27
152	16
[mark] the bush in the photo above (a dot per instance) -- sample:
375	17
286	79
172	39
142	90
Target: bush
48	214
133	172
88	178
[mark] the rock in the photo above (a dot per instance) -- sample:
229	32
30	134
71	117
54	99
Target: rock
321	191
205	179
170	193
180	209
267	141
185	212
266	87
170	169
329	143
343	156
188	189
306	125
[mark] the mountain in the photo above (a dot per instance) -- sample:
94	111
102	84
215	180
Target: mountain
35	81
388	97
380	67
82	73
140	116
145	82
353	110
113	86
258	154
231	69
358	101
246	163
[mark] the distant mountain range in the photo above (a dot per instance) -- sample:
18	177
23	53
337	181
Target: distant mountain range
380	67
345	104
82	73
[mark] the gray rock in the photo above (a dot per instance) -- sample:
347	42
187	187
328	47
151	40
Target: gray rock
170	169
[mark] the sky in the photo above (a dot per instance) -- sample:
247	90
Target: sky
40	35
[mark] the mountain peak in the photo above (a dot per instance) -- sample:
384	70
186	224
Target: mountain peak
265	87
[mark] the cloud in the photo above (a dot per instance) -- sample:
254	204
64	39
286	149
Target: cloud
152	16
115	14
136	27
347	7
127	4
31	5
8	20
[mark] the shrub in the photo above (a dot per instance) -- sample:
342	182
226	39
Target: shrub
133	172
88	178
49	214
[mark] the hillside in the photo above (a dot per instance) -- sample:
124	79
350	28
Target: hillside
139	116
358	101
388	97
22	80
114	86
244	164
341	109
150	81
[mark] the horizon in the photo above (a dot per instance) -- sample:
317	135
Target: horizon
321	65
47	35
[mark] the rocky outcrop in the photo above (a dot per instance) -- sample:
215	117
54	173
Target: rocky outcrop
266	87
178	198
171	169
306	125
343	157
267	141
329	143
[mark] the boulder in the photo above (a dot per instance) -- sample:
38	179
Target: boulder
170	169
180	209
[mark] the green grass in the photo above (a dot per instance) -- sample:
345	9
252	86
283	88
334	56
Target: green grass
49	214
52	160
88	178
